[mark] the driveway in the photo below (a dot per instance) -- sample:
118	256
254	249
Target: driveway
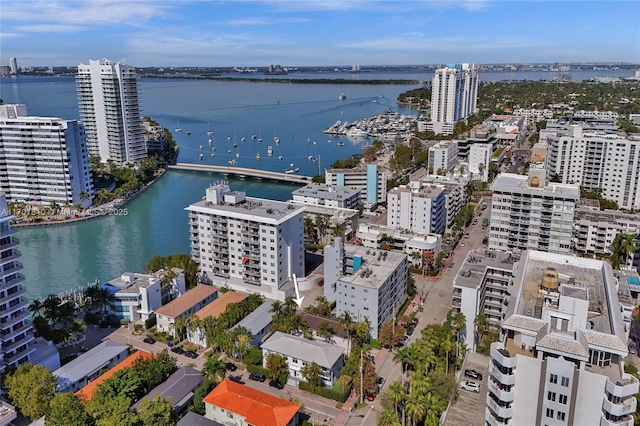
469	408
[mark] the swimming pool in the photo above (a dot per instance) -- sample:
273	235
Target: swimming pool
633	281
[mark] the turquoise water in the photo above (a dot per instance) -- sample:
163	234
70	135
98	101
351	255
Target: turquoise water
633	281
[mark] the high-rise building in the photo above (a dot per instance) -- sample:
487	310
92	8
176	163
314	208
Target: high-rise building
13	62
479	159
597	159
454	92
529	214
43	160
110	112
248	244
563	344
422	210
16	331
443	157
371	182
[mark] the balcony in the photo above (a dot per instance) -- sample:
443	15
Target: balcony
15	345
11	320
628	406
504	378
503	412
492	420
623	388
625	421
502	395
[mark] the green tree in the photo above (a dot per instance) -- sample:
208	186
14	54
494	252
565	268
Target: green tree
346	320
214	369
31	388
112	411
311	373
66	409
326	331
156	412
276	366
482	324
199	394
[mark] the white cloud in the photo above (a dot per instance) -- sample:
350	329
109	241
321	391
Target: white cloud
50	28
6	36
266	21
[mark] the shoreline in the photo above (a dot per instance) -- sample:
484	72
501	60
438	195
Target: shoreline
108	209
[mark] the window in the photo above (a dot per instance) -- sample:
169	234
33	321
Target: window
549	413
553	378
562	399
551	396
565	382
561	415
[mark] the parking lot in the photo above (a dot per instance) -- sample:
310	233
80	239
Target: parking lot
468	410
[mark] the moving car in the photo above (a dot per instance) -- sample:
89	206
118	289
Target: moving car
230	366
276	384
258	377
473	374
149	340
470	386
191	354
177	350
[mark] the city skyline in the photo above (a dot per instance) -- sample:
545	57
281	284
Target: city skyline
207	33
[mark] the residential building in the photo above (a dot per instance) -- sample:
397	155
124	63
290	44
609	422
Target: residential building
601	160
45	353
373	236
595	230
43	160
16	331
328	221
364	282
532	115
371	182
214	309
508	127
136	296
454	189
482	285
154	137
320	194
185	305
479	134
233	404
422	210
110	111
479	158
443	157
13	63
8	414
527	213
86	393
258	323
561	354
299	352
454	93
248	244
79	372
178	389
194	419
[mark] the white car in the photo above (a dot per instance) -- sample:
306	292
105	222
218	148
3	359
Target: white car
470	386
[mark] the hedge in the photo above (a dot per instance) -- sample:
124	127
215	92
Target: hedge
150	322
257	369
327	393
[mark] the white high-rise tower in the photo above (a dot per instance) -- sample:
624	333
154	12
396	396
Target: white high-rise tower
13	62
109	109
454	92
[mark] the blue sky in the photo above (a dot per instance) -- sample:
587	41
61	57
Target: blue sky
311	32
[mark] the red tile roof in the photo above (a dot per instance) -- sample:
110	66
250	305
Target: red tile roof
258	408
87	391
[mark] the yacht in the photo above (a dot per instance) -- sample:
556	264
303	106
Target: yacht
235	145
280	157
178	129
329	141
201	157
342	96
276	140
291	169
188	132
340	143
257	156
357	133
270	151
242	139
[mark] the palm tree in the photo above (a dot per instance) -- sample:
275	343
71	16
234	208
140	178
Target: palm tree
214	369
325	330
180	327
458	322
35	308
346	321
387	418
627	246
448	346
396	394
482	324
415	257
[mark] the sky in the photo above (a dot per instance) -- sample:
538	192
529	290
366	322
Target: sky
247	33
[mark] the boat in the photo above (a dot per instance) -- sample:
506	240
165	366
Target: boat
210	140
242	139
308	140
243	177
276	140
269	151
237	155
201	157
229	151
280	157
257	156
188	132
340	143
213	154
259	140
342	96
200	147
235	145
253	136
357	133
291	169
178	129
232	162
329	141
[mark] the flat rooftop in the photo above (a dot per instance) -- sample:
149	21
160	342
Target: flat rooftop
474	267
327	192
511	182
381	264
251	208
131	282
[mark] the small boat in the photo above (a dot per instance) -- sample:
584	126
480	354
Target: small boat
235	145
213	154
342	97
200	147
201	157
257	156
229	138
242	139
280	157
253	136
243	177
308	140
269	151
188	132
210	141
232	162
178	129
237	155
291	169
329	141
276	140
229	152
340	143
259	140
209	133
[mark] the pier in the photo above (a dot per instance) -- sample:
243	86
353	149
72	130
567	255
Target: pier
243	172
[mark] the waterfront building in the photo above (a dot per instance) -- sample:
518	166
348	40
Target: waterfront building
235	404
43	160
16	331
454	93
248	244
563	343
371	182
480	155
300	352
422	210
154	138
320	194
482	285
527	213
79	372
4	71
185	305
365	282
454	189
198	335
13	63
179	389
443	157
597	159
110	111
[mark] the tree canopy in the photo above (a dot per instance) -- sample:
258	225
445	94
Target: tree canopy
31	388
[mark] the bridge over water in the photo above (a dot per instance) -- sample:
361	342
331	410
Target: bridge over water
243	172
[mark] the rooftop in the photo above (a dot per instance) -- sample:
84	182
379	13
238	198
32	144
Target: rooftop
328	192
258	319
89	362
511	182
194	419
218	306
324	354
258	408
474	267
375	268
177	307
178	388
131	282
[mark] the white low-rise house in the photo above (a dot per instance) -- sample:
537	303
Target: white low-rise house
319	194
191	302
258	322
79	372
136	296
198	335
300	352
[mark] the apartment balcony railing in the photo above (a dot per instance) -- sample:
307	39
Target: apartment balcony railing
625	421
623	388
625	407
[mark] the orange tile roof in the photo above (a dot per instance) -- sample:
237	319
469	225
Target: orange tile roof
87	391
258	408
218	306
177	307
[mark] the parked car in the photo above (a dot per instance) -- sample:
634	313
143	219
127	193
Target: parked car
470	386
414	321
410	330
473	374
177	350
276	384
404	340
370	397
632	348
191	354
258	377
230	366
380	382
149	340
